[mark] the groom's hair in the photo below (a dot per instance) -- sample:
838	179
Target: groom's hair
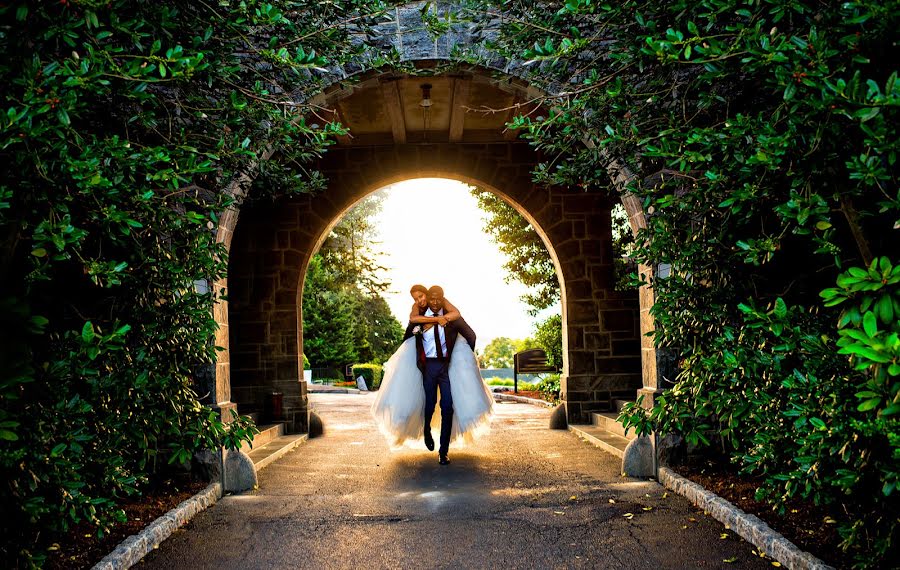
436	290
417	287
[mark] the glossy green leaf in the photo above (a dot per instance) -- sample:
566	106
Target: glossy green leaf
87	332
869	405
870	325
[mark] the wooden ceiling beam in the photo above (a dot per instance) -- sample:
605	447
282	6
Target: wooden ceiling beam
457	108
390	90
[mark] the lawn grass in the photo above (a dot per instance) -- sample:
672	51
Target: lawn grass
509	382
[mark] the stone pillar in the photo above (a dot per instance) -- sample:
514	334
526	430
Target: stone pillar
649	368
219	388
264	274
657	364
600	323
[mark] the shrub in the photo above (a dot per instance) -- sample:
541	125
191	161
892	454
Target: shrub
123	125
761	140
371	373
548	335
549	387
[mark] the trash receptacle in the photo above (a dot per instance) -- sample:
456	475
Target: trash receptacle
275	406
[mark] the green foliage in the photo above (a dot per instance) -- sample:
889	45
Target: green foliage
527	258
548	335
345	318
122	126
762	138
371	373
306	364
510	382
549	386
869	328
384	330
500	351
329	318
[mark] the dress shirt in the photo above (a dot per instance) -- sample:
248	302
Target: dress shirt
428	337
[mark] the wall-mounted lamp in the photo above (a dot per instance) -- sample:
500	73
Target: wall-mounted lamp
426	95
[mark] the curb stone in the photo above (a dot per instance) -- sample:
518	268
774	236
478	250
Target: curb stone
322	390
523	400
749	527
131	550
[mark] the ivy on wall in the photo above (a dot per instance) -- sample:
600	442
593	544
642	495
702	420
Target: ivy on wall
762	139
123	127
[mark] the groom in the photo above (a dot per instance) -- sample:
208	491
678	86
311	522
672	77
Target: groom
433	349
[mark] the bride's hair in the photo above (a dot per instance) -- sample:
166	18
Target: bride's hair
418	287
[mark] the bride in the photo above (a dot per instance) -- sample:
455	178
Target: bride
399	408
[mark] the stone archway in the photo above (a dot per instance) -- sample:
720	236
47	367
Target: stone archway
607	352
274	242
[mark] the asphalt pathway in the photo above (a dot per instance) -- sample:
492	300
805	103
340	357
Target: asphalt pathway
522	497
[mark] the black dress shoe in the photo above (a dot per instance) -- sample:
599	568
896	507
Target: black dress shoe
429	441
444	460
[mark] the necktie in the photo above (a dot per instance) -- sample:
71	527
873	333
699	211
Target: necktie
437	342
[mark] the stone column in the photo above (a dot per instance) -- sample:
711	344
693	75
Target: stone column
219	386
600	323
657	364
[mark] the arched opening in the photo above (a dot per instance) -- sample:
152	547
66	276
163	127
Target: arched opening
274	241
460	135
431	232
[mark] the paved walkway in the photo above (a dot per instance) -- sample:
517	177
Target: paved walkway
523	497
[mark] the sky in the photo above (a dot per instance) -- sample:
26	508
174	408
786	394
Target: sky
457	255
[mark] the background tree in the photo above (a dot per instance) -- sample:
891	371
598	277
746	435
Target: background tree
345	318
330	319
548	335
351	249
385	331
527	259
500	351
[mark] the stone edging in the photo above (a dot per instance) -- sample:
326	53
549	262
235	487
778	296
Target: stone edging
131	550
523	400
319	390
749	527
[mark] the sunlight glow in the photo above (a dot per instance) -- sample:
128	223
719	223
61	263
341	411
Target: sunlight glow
431	233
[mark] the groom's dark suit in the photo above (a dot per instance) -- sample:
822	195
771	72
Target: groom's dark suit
435	372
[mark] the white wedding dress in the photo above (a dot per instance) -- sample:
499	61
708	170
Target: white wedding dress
399	406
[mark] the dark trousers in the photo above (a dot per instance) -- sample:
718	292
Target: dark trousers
436	374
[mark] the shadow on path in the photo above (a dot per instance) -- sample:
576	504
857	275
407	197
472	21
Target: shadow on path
522	497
